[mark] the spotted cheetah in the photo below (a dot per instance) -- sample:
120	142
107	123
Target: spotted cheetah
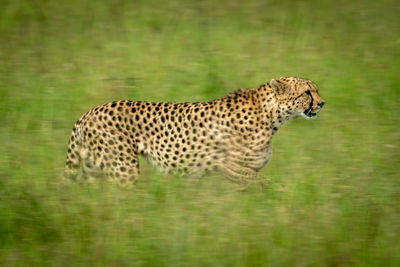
231	134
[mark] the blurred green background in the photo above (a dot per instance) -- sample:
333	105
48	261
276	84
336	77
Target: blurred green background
334	196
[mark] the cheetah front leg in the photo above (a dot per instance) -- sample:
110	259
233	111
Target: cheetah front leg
244	176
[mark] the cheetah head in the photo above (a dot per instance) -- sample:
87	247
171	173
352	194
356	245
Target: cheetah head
299	96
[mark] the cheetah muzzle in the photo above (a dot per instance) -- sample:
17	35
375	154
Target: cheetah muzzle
309	114
231	134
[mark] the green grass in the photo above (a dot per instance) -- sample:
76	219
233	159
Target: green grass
334	196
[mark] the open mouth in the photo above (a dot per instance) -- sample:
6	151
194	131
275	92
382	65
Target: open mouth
309	113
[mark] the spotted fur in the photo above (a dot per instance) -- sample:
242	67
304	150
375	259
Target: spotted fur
231	134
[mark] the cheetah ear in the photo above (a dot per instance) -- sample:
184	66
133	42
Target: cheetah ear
279	86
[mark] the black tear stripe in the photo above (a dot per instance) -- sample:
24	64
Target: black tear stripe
309	110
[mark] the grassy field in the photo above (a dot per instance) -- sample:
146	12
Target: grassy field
334	196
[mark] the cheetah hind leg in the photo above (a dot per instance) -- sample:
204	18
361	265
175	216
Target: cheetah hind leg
124	173
72	167
71	172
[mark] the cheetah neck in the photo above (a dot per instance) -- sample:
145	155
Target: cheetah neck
274	112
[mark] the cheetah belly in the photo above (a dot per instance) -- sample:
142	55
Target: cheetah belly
190	161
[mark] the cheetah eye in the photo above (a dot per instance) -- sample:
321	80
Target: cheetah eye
308	92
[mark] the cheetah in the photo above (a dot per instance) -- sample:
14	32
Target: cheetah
231	134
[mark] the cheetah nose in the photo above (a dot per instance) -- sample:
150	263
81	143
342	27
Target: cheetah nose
321	104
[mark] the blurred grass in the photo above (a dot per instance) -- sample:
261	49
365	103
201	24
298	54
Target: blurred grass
335	188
